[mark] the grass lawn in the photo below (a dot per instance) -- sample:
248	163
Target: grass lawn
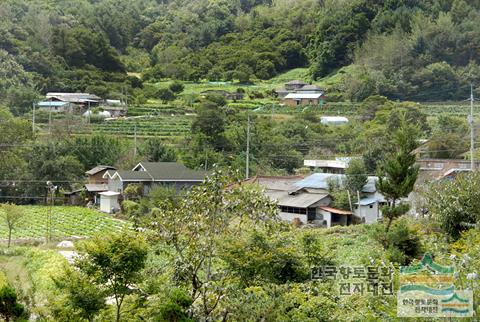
66	222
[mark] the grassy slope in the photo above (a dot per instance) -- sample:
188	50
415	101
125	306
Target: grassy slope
67	222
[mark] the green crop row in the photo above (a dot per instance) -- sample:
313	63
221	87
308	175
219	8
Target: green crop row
66	222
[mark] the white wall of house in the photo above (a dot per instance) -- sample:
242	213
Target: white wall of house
369	212
290	217
327	217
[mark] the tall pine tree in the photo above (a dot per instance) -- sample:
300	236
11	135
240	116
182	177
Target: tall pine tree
399	172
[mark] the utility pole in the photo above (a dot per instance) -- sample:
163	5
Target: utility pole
89	113
247	163
126	97
206	160
472	138
50	119
51	188
33	119
135	141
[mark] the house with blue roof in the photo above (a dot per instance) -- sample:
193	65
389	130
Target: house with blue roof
53	106
367	209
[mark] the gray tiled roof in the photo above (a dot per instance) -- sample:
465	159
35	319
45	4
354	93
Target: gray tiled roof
134	175
170	171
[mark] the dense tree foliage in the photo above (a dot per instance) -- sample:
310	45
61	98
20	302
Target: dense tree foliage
399	49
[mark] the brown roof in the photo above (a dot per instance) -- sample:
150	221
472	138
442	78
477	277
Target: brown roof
336	211
99	168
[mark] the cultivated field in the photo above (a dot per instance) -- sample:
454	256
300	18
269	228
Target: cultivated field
66	222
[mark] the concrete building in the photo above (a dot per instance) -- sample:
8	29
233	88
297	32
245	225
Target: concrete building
296	99
109	202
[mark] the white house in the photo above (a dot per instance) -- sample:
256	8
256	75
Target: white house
367	211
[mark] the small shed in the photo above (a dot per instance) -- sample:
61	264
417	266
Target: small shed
109	201
294	99
333	120
334	217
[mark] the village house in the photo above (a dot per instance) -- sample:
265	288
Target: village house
295	99
55	107
366	211
298	92
96	181
151	174
436	169
81	99
308	201
327	166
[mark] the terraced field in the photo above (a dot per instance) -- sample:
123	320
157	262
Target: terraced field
159	126
66	222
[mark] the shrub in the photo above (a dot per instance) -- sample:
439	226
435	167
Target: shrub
402	242
176	87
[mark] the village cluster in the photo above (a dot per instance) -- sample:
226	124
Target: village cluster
302	199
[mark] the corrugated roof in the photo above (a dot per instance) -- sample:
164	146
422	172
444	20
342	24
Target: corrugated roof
95	187
335	210
303	95
171	171
284	183
321	180
367	201
76	95
51	104
99	168
299	200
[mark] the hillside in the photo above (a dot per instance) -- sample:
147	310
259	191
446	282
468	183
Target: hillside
404	50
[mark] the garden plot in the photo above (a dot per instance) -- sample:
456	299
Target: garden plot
66	222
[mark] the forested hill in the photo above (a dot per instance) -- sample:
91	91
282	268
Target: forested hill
418	50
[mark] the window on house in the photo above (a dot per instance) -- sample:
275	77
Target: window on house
371	206
293	210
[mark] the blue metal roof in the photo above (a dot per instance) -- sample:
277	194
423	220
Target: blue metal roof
367	201
321	180
51	104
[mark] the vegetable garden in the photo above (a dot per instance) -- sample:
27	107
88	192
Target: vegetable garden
66	222
158	126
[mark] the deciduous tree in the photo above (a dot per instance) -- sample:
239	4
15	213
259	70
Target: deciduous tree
113	263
